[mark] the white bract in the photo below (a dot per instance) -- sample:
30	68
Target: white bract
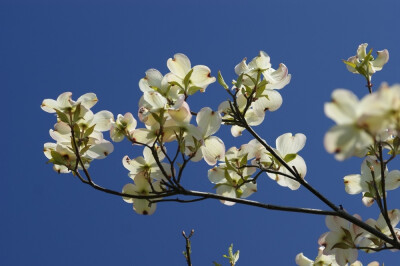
143	186
231	178
287	147
364	182
341	240
180	67
363	63
123	126
76	116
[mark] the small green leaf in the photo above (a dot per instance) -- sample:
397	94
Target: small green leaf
77	130
289	157
58	158
243	161
216	264
77	112
368	195
341	246
186	80
88	131
63	117
193	89
396	143
174	83
239	81
228	177
221	81
350	64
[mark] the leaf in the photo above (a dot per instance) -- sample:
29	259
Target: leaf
229	165
341	246
174	83
221	81
77	131
88	131
239	81
186	80
243	161
350	64
216	264
58	158
63	117
228	177
193	89
77	113
290	157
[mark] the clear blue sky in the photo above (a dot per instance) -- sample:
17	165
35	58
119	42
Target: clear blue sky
48	47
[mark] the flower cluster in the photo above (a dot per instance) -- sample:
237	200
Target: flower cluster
255	91
364	63
370	179
376	117
77	130
233	176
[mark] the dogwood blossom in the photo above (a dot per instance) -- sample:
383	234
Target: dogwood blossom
124	125
180	66
231	178
143	186
363	63
348	137
357	183
287	147
342	239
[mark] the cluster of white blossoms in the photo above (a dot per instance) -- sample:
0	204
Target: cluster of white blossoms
364	63
376	117
364	183
254	94
364	128
75	117
339	246
166	115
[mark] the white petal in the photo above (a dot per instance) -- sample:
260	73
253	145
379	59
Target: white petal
346	141
302	260
213	150
392	180
216	175
262	61
64	100
208	121
383	58
179	65
201	76
362	50
272	103
155	100
352	184
241	67
226	191
129	189
182	114
248	189
288	144
88	100
237	131
277	79
49	105
102	120
101	150
142	206
152	79
343	108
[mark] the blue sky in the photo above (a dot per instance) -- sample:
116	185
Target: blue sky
48	47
